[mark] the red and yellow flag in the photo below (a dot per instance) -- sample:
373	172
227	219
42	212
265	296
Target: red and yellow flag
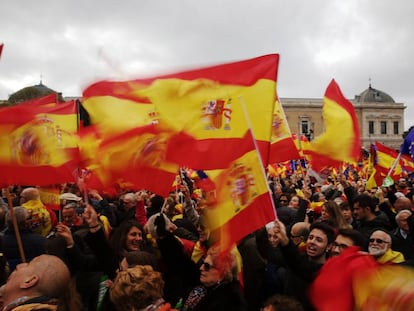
385	158
50	100
135	157
242	200
388	287
341	140
203	107
38	145
282	146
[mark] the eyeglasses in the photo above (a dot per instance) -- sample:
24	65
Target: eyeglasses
283	200
340	246
206	266
379	241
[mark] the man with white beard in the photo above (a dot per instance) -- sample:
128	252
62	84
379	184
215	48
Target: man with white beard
380	248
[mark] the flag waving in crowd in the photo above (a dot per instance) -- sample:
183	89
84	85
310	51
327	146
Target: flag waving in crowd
176	165
38	143
283	146
341	140
202	107
242	203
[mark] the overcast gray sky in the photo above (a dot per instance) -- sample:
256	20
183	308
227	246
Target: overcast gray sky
76	42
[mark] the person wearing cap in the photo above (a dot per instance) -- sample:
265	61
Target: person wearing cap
70	217
69	197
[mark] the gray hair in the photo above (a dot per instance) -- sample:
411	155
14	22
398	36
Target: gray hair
21	215
399	214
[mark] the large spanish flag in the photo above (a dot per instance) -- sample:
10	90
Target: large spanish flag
38	144
115	108
204	108
135	157
283	147
242	200
341	140
50	100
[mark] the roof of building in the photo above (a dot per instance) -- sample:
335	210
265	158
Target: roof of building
30	92
371	95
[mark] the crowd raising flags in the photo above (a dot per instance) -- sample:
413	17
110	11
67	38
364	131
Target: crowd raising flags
224	121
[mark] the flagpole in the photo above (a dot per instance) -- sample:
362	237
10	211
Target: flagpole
249	126
15	225
393	165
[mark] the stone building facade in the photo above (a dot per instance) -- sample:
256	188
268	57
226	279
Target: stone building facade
380	117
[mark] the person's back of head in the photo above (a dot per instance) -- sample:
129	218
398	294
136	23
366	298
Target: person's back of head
141	258
403	203
30	193
137	288
282	303
21	215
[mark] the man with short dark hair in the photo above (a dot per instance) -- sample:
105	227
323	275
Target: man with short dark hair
346	238
365	214
303	268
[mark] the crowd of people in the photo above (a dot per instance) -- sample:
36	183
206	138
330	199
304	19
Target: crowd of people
141	251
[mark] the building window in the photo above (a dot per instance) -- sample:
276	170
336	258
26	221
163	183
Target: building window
396	128
383	127
371	127
304	127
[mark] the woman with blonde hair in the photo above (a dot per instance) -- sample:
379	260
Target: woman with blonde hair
137	289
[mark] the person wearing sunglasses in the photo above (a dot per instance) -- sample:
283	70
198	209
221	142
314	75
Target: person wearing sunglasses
220	289
380	248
